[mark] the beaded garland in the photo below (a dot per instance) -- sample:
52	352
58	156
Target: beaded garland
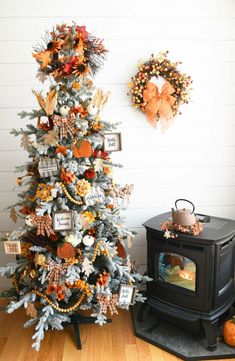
15	284
52	304
70	198
105	252
57	308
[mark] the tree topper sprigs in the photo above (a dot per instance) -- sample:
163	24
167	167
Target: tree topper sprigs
69	51
158	89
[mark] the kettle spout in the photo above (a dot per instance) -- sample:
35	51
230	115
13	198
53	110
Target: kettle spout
172	211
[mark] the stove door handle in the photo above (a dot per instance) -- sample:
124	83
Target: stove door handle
226	243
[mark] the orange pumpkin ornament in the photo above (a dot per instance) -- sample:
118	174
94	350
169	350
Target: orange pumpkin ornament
229	332
121	252
66	250
83	150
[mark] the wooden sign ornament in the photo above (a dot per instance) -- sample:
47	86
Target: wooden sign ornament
62	221
48	167
12	247
112	142
127	294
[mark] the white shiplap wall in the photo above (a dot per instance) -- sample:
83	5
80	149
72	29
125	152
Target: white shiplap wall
196	157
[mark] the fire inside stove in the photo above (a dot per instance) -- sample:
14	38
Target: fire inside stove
177	270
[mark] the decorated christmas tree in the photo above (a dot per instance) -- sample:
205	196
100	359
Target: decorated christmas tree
70	252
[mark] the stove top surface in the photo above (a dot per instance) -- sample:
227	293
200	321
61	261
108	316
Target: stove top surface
214	230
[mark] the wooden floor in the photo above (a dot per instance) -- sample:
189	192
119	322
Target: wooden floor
112	342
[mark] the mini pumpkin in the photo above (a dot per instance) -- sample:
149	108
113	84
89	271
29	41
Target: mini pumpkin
83	150
229	332
66	250
88	240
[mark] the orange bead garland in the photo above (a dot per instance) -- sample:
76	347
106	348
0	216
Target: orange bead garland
70	198
57	308
52	304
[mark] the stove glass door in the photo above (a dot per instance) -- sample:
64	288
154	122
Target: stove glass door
177	270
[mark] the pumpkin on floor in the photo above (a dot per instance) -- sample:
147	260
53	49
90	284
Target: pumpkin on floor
229	332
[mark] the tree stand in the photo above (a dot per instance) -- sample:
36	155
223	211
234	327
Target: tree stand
76	320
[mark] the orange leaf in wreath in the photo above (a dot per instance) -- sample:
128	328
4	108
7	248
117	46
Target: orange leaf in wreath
83	150
66	251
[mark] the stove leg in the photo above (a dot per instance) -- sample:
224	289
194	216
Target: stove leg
210	329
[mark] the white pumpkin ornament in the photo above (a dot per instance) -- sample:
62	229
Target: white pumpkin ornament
64	110
88	240
92	109
28	221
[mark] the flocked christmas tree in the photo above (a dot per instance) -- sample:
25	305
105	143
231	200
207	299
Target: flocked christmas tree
71	254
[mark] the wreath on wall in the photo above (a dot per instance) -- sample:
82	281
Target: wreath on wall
159	89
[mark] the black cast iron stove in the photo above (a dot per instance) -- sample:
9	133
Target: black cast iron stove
193	276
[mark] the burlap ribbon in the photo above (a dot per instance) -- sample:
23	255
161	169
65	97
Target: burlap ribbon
108	302
65	125
43	223
158	104
55	270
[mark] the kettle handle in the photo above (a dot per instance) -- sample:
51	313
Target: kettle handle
185	200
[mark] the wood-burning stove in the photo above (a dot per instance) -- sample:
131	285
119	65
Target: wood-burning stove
193	276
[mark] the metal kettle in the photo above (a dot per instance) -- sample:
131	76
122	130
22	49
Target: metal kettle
183	217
